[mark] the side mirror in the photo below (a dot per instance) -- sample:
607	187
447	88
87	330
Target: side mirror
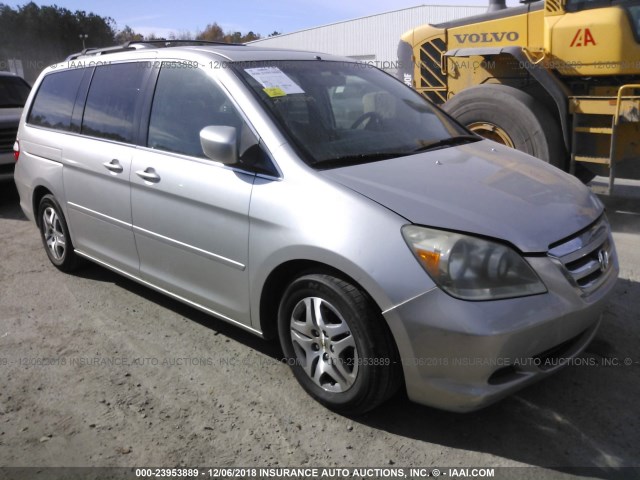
219	143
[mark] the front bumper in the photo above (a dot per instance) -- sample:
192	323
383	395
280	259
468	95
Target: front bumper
461	356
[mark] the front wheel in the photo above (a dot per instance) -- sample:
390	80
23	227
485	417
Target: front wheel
55	235
337	344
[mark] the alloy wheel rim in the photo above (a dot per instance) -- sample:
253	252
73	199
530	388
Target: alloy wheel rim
53	233
493	132
324	345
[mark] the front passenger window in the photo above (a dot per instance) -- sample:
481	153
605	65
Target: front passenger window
186	101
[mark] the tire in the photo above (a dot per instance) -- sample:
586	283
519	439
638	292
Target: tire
530	127
344	357
55	235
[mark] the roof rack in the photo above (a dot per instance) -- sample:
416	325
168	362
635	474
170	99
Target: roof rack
167	43
140	44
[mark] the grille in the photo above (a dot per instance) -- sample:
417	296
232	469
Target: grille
588	258
553	6
7	139
555	356
433	83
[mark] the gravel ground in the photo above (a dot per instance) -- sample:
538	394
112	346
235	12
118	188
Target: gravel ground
132	378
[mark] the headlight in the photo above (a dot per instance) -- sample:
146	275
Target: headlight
471	268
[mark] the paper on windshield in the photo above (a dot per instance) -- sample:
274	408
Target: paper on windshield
275	82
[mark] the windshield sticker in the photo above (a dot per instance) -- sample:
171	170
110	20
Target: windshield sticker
275	82
274	92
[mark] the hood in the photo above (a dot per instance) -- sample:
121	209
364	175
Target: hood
481	188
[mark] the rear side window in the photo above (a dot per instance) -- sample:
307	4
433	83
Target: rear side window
53	104
111	103
186	101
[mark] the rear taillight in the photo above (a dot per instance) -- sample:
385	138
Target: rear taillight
16	150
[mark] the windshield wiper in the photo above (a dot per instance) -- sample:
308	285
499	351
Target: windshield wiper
448	142
349	160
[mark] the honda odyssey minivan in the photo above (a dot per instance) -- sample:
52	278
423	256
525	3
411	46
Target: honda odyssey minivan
319	201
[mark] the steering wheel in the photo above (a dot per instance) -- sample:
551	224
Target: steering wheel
369	117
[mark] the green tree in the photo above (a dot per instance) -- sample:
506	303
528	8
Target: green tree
212	33
40	36
128	35
153	36
233	37
249	37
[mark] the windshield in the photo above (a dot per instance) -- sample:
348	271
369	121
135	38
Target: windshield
631	6
13	91
574	5
342	113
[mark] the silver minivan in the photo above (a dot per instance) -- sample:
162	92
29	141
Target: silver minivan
322	202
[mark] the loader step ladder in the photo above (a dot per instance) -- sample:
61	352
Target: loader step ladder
615	110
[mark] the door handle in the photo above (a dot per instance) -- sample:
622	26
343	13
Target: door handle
148	174
113	166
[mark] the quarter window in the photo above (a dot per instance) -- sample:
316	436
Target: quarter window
112	100
573	5
53	105
186	101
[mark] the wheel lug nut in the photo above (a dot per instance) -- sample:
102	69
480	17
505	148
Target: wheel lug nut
315	347
325	356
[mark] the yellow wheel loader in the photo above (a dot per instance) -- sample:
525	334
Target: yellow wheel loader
559	79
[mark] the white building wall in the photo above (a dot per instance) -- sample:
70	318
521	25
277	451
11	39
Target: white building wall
373	38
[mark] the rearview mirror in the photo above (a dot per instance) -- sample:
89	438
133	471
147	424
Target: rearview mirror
219	143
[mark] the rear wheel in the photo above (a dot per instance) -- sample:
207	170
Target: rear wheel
337	344
511	117
55	235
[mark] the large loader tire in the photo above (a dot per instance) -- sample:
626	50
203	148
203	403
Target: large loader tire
511	117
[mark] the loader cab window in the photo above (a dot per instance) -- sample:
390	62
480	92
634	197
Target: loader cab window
577	5
634	18
631	6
